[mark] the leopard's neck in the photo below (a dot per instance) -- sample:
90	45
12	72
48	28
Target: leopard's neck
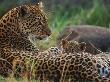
9	28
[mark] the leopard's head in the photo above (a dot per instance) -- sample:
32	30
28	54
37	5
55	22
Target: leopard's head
33	21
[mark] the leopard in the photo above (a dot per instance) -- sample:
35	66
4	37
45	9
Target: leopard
75	46
81	47
16	26
66	67
72	46
21	22
51	66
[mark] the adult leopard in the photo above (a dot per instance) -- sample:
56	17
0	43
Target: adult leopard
15	28
45	66
21	22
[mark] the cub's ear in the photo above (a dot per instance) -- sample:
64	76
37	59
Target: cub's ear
23	11
64	42
83	46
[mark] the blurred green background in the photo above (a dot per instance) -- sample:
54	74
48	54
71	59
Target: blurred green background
66	12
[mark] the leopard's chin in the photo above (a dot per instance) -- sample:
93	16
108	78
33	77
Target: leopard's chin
42	37
46	39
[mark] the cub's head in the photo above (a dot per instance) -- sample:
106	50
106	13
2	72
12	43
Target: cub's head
72	46
32	21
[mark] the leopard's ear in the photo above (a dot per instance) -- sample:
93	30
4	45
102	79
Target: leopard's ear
82	46
23	11
64	42
40	5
